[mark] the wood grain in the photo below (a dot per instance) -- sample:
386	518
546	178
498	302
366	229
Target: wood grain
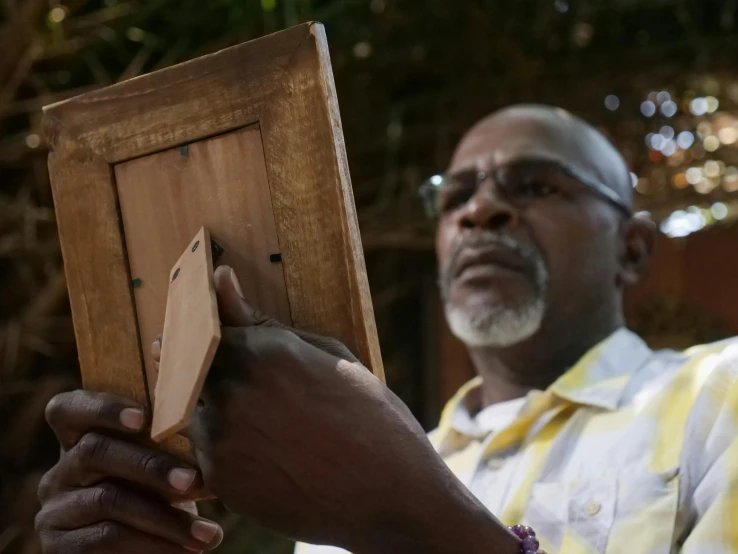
191	101
97	271
262	115
219	183
192	335
314	205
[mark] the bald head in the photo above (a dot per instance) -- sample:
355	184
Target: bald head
543	131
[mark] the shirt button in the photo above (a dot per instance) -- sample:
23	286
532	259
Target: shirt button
593	508
495	463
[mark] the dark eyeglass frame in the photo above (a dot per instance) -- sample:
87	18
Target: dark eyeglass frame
600	190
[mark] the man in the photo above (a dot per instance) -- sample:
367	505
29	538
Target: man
573	426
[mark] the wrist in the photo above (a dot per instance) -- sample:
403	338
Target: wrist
449	521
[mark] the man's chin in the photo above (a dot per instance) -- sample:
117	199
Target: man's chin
495	326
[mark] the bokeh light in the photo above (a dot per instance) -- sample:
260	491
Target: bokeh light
698	106
58	14
719	211
669	108
728	135
711	143
648	108
33	141
667	132
693	175
612	102
685	140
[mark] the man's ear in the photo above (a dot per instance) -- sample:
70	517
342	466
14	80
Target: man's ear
638	235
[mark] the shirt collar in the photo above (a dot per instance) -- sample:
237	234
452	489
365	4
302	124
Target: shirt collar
598	379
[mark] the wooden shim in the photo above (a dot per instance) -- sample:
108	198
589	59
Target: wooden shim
278	92
192	331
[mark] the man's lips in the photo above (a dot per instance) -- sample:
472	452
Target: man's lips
489	257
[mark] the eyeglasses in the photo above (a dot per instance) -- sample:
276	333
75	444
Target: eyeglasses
521	182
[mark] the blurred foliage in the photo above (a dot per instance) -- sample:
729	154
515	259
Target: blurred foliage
411	77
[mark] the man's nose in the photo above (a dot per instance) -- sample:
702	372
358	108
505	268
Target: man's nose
486	210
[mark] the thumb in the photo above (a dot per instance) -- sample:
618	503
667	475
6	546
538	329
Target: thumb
235	311
233	308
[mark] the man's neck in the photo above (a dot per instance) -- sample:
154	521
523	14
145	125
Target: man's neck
536	363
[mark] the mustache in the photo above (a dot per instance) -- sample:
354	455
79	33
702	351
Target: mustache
525	250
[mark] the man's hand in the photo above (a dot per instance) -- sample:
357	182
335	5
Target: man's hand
109	494
293	432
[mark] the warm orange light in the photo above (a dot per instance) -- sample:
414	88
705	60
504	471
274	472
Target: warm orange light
679	181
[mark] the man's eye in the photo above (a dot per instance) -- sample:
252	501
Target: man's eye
536	188
453	199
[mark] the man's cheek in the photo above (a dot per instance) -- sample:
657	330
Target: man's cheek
444	237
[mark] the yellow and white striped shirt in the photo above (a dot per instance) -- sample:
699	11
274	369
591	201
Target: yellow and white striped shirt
630	452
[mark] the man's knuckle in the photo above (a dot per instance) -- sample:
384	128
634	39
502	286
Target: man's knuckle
282	344
151	463
254	334
105	498
108	532
292	346
334	346
91	449
333	343
260	342
46	485
40	521
56	409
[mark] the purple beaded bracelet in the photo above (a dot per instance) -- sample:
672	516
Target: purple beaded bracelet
528	536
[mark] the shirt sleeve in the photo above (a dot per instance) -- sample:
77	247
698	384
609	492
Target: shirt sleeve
711	465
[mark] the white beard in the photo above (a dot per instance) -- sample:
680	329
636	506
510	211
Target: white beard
498	327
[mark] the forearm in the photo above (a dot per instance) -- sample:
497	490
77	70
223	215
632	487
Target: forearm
470	532
450	522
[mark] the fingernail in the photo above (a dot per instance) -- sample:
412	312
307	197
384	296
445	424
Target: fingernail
132	418
236	284
182	478
204	531
156	349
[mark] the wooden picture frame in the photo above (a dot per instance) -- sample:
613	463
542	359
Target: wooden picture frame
137	168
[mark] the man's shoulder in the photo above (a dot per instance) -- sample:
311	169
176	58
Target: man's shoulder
728	346
717	360
702	360
710	371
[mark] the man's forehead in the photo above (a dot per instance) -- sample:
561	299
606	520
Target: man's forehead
500	140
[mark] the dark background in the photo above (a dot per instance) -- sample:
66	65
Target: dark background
412	76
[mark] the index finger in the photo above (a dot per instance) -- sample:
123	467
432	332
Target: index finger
72	415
